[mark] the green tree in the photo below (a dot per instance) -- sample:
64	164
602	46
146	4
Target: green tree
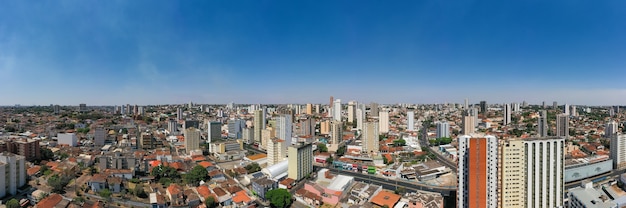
46	154
253	167
399	142
322	147
148	120
105	193
280	198
197	174
329	160
58	183
13	203
210	202
139	192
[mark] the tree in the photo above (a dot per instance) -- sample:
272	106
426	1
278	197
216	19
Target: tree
197	174
58	183
13	203
148	120
322	147
210	202
46	154
329	160
280	198
399	142
105	193
139	192
253	167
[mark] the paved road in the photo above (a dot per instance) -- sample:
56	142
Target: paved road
392	184
120	201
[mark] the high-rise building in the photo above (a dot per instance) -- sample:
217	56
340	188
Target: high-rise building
57	109
370	137
300	161
179	114
307	127
283	129
267	135
29	148
618	151
543	104
309	109
555	105
573	111
172	126
247	135
566	109
483	107
373	109
360	116
191	123
562	125
336	135
258	126
325	127
466	105
82	107
410	122
611	129
477	171
234	128
542	124
275	151
443	129
351	111
192	139
337	110
99	136
468	123
507	114
69	139
214	132
531	172
12	173
383	121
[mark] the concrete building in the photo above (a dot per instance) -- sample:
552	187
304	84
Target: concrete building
234	128
309	109
373	109
29	148
172	127
542	124
192	139
67	139
443	129
214	131
258	126
562	125
12	173
469	123
336	135
191	123
611	129
284	129
307	127
99	136
300	161
410	120
618	151
82	107
337	110
566	109
530	172
588	197
369	138
247	135
360	118
275	152
506	120
383	121
352	111
483	107
477	171
179	114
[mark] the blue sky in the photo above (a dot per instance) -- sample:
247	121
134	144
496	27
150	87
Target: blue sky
157	52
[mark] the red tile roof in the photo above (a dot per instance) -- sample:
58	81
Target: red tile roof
205	164
50	201
33	170
241	197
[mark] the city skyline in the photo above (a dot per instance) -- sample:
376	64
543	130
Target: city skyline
146	52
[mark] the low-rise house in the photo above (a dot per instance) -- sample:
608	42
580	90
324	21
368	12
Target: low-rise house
97	182
260	186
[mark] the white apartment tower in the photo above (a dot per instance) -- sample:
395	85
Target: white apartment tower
337	110
275	152
477	171
383	120
351	111
469	122
618	151
258	126
506	114
611	129
12	173
443	129
369	137
283	129
410	116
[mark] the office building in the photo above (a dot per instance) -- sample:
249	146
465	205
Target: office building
618	151
611	129
410	120
192	139
99	136
283	129
468	123
531	172
12	173
69	139
82	107
300	161
506	120
562	125
483	107
477	171
191	124
307	127
258	125
337	110
275	151
443	129
234	128
542	124
214	131
383	121
351	111
369	137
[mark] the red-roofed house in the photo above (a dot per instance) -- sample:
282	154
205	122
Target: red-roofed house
50	201
241	198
